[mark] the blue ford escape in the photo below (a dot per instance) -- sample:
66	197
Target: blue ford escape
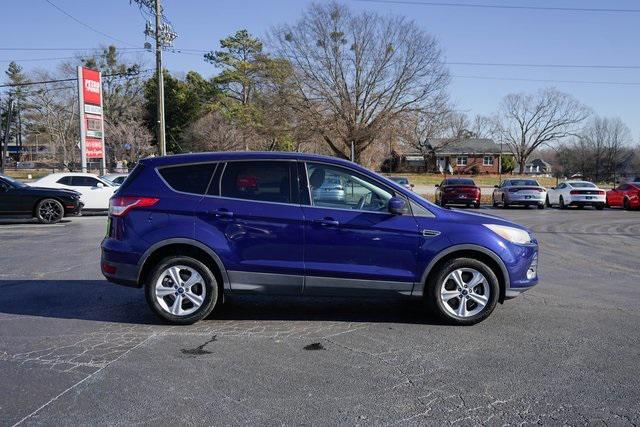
191	228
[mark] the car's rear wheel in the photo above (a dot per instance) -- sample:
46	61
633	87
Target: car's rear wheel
463	291
476	205
49	211
625	204
547	203
562	205
181	290
505	205
600	206
540	205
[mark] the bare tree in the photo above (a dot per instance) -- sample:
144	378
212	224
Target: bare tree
355	73
527	121
214	132
53	113
129	139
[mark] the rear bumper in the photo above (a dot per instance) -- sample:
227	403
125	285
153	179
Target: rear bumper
526	200
120	273
461	200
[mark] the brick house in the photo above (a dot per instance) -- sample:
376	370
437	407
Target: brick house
459	156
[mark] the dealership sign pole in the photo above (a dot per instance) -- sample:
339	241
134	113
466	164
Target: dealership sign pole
91	117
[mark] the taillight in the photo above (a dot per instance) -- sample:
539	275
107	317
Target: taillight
575	192
602	192
119	206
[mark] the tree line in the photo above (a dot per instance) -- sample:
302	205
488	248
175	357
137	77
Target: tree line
336	81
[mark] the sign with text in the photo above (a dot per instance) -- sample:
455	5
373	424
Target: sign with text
91	117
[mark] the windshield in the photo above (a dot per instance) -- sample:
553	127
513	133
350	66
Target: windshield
14	182
400	180
582	185
522	182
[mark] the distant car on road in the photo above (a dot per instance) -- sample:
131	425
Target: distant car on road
95	192
625	195
47	205
401	180
115	178
330	190
576	193
458	191
523	192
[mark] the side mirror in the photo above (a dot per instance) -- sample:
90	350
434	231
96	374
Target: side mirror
397	206
496	186
99	185
437	185
411	185
553	188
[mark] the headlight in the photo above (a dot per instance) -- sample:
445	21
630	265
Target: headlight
512	234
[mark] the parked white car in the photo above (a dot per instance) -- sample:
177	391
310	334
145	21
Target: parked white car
95	192
115	178
576	193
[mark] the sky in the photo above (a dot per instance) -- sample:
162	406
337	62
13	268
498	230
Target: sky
466	34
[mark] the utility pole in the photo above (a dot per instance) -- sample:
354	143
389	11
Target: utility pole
163	34
162	142
7	131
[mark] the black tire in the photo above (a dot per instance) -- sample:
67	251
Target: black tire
540	205
505	205
546	202
476	205
436	305
495	204
49	211
562	205
625	204
600	206
210	284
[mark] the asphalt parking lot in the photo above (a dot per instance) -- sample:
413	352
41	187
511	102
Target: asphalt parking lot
75	349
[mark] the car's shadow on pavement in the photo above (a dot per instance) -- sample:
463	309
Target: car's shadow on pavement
99	300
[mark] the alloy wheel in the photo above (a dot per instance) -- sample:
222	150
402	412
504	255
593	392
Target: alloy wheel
50	211
180	290
465	292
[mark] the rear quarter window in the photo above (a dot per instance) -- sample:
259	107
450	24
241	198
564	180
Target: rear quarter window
192	179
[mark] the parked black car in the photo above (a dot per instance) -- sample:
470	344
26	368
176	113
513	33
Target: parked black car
48	205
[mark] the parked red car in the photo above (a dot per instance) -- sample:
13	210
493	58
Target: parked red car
458	191
625	195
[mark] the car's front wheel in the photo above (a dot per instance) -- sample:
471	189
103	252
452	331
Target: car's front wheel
463	291
181	290
49	211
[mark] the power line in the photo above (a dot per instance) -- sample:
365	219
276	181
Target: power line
547	80
54	58
71	79
500	6
506	64
86	25
63	48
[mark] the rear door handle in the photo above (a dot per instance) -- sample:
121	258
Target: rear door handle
221	213
327	222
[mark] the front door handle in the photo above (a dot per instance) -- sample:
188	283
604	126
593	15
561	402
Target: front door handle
221	213
327	222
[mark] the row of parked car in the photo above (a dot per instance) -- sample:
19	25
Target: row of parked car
54	196
51	198
528	192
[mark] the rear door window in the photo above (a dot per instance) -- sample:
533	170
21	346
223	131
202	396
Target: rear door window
265	181
192	179
65	180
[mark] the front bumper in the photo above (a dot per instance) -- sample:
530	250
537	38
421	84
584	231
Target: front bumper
73	209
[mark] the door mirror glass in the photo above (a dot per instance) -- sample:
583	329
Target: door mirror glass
397	206
553	188
437	185
496	186
99	185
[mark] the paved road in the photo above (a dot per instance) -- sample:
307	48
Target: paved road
77	350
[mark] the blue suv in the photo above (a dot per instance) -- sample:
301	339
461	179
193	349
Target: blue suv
191	228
